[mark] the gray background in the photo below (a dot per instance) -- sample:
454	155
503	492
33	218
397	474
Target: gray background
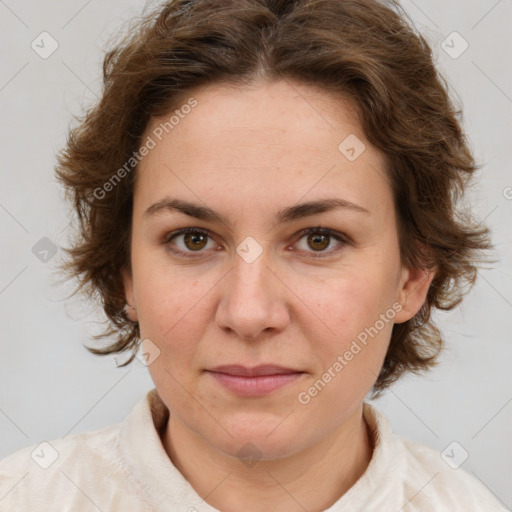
51	386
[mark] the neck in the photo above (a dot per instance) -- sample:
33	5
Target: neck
312	479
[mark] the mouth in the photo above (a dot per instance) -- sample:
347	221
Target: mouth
257	381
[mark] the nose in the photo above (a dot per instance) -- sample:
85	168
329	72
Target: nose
254	300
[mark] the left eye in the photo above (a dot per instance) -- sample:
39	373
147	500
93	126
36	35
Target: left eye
319	240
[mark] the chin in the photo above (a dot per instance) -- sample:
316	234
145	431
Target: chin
261	436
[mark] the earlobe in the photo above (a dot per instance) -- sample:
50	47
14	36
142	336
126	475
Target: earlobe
130	308
413	291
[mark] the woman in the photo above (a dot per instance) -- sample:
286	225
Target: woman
266	200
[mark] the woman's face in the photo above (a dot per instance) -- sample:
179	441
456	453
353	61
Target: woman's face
249	287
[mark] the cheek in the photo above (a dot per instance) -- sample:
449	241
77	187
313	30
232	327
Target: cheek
173	316
347	304
349	358
174	307
170	312
348	319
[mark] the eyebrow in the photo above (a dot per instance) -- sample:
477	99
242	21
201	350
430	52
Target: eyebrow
285	215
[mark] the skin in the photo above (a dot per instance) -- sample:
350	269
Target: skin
247	153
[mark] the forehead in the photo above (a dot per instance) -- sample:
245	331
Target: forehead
269	142
262	110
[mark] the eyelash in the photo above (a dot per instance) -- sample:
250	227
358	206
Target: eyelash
323	231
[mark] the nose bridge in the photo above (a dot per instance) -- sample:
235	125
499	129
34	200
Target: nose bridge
251	274
251	301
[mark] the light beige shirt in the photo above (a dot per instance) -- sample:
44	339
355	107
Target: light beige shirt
124	468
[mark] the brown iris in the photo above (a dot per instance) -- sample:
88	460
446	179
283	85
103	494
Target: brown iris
198	240
321	241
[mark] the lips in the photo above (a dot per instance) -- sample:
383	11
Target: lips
254	382
242	371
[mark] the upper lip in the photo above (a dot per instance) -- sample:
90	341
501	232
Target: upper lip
243	371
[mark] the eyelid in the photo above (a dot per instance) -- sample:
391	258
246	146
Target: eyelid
340	237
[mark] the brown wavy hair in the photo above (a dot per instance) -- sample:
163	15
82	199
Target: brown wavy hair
361	49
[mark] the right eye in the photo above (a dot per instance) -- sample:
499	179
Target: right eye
193	240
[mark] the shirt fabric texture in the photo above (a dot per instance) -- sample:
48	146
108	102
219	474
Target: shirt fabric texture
125	468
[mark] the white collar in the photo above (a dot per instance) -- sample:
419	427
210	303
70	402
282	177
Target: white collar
165	488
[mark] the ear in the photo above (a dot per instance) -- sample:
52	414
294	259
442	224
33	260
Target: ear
412	292
131	308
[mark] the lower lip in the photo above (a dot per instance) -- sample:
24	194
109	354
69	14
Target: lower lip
258	385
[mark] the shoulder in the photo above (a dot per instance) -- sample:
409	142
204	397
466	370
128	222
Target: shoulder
437	478
417	478
70	472
58	452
